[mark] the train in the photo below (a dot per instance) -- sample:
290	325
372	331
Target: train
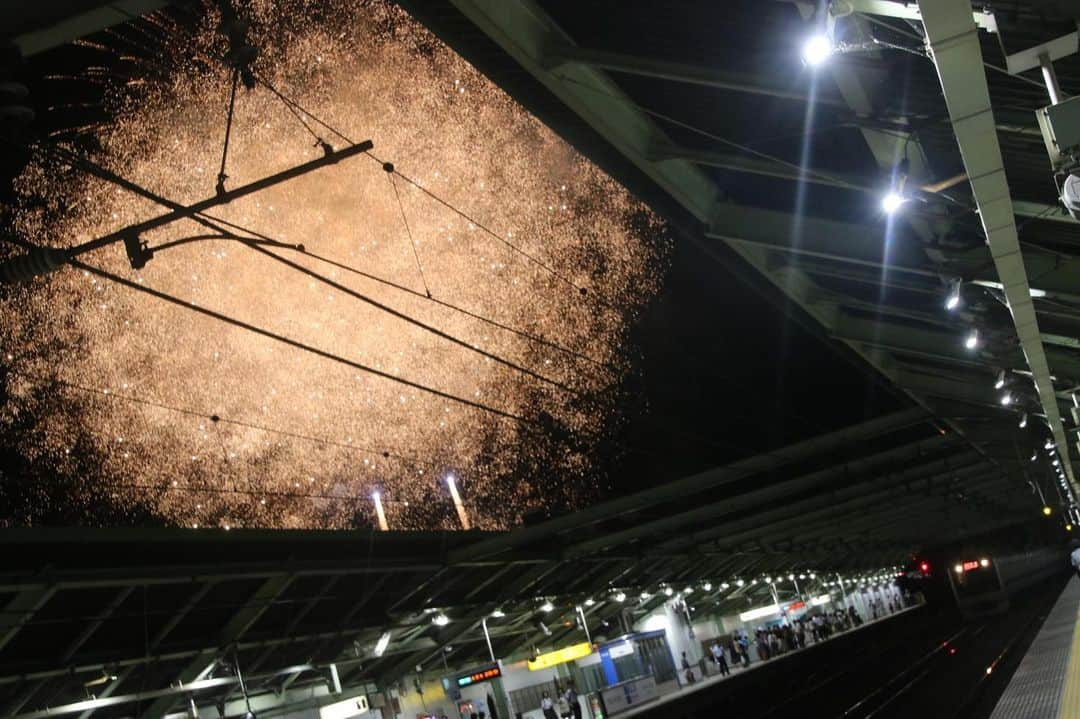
980	584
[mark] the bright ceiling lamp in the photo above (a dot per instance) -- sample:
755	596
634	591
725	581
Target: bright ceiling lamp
1023	420
892	201
1000	380
440	620
1047	511
972	340
953	300
816	50
1006	399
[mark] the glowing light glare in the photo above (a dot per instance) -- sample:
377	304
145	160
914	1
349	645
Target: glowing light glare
498	614
984	562
620	596
1000	380
1006	399
590	602
1068	527
816	50
379	513
1023	420
440	620
382	644
953	300
1047	511
959	568
972	340
451	483
547	607
892	201
739	582
668	591
387	79
707	586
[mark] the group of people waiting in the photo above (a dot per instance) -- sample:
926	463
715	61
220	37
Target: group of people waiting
773	641
566	705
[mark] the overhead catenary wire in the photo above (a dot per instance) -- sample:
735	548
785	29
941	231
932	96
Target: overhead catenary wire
216	418
408	230
297	344
258	247
402	288
445	203
93	168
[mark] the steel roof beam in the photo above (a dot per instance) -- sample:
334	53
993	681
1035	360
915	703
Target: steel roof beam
832	501
86	23
703	482
21	608
722	505
954	44
233	630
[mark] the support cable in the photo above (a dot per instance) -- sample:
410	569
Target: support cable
389	167
220	187
297	344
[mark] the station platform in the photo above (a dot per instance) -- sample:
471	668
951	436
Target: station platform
1046	684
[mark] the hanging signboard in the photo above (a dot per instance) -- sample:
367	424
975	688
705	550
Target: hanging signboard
561	656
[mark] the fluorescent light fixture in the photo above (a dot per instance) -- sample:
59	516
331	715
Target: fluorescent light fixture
590	602
546	607
725	585
1006	399
1023	420
707	586
972	340
953	300
758	613
382	644
1000	380
440	620
498	614
820	599
1033	292
668	591
892	201
816	50
739	582
620	597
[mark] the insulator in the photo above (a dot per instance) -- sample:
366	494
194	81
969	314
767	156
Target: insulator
38	261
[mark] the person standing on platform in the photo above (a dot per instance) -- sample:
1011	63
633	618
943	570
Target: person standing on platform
1076	560
548	707
689	673
572	700
720	659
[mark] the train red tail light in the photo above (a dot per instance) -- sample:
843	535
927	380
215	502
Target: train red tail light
924	567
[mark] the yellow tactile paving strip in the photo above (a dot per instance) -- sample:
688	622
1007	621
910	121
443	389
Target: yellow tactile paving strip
1046	685
1070	695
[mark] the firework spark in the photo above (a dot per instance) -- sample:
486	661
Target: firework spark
199	423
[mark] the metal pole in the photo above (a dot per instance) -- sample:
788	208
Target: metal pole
491	652
584	624
40	260
1050	78
843	591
